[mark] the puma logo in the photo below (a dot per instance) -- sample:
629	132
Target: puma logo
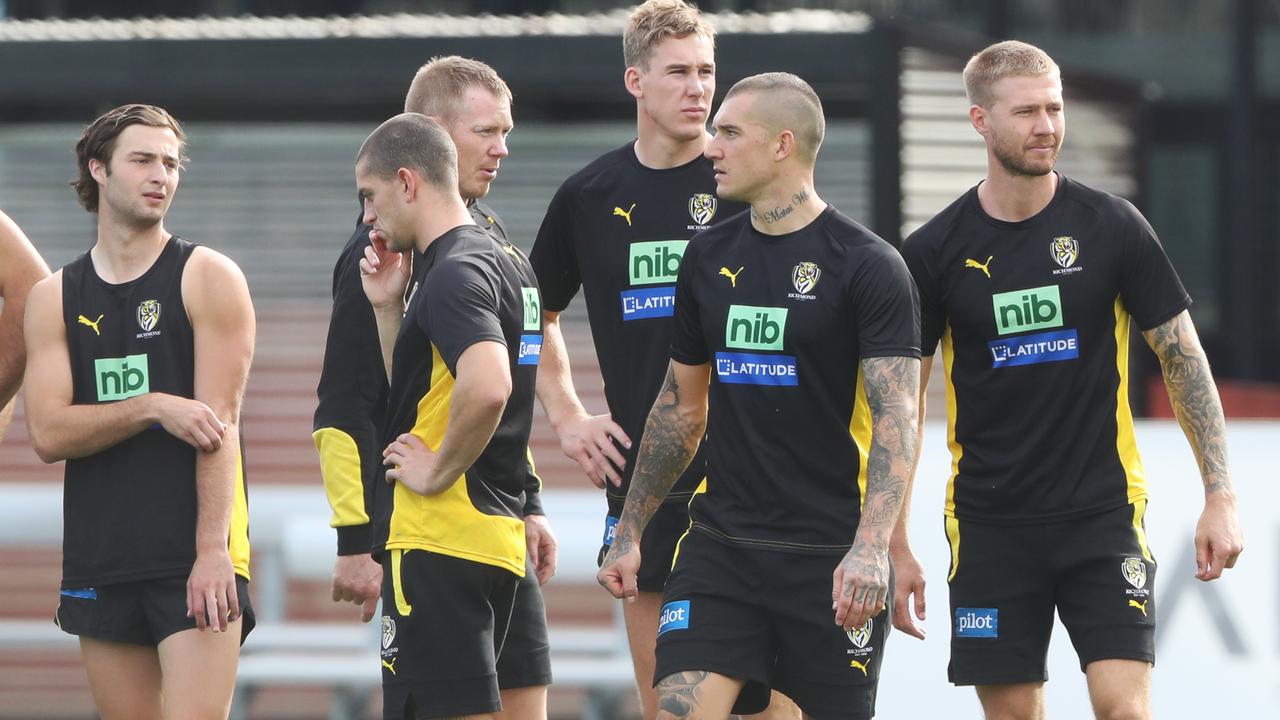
859	666
625	214
733	276
91	323
390	666
971	263
1140	605
510	250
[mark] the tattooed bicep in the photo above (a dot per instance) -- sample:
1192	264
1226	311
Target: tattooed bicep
891	379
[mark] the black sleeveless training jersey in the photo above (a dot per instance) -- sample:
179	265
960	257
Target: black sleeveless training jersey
129	512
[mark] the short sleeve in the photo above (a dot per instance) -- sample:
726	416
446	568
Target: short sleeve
459	307
933	319
688	346
885	306
554	256
1150	288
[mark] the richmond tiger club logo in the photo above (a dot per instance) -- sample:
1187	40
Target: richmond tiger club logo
148	317
702	207
861	636
860	654
388	631
804	276
1135	571
1065	251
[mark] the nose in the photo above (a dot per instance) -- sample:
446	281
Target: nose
1044	124
697	85
370	217
499	148
712	150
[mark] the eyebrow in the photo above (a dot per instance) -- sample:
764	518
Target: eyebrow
146	155
726	126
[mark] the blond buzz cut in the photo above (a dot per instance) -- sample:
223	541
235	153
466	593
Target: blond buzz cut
786	102
1011	58
656	20
439	88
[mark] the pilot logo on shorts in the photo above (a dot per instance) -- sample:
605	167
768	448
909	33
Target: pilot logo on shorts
148	317
1064	250
1135	571
388	631
675	616
860	636
702	207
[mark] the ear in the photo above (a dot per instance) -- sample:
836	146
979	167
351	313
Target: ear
410	183
784	145
98	170
631	80
978	118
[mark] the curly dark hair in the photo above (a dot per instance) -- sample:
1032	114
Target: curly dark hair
99	141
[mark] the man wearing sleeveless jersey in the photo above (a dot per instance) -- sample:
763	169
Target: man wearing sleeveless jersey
138	354
796	349
617	230
473	104
462	357
1030	282
20	268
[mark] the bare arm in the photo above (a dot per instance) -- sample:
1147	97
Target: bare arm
860	584
587	439
1199	411
20	268
221	312
385	276
908	574
672	432
60	430
479	396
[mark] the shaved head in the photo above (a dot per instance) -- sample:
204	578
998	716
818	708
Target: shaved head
782	101
413	141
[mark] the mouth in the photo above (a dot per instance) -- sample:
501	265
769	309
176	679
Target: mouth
694	112
154	196
489	173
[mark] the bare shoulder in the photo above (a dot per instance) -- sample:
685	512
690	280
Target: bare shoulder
214	287
208	265
47	293
18	257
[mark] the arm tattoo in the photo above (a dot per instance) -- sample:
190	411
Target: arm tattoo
671	438
1194	396
892	385
678	694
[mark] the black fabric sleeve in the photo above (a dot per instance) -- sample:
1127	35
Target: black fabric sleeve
884	305
933	319
554	256
351	394
688	346
1150	288
532	488
460	308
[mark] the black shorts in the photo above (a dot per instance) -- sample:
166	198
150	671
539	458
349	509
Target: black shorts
1006	581
525	660
444	626
765	617
143	612
657	545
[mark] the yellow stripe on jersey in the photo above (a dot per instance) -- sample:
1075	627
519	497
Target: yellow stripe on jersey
449	523
702	488
860	428
948	362
238	540
533	469
341	470
1140	528
402	604
953	539
1126	443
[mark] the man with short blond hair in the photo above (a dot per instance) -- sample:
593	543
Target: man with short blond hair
1030	282
616	230
473	104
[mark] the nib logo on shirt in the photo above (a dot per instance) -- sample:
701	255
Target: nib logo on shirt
652	263
750	327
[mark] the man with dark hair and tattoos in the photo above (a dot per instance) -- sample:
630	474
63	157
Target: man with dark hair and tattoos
1029	281
796	347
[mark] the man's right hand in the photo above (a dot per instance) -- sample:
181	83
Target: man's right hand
908	581
358	579
619	569
589	440
384	273
191	421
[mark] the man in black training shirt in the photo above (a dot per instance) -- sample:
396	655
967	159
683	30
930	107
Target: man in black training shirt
1029	281
473	104
796	349
138	353
617	230
462	357
20	268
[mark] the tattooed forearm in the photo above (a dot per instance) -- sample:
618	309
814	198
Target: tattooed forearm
892	385
671	437
769	217
1194	396
678	694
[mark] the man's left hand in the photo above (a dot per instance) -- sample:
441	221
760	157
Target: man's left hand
542	546
211	591
1219	541
410	462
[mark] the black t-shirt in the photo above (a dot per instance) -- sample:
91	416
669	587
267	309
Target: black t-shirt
474	289
352	395
129	511
785	321
618	229
1033	318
